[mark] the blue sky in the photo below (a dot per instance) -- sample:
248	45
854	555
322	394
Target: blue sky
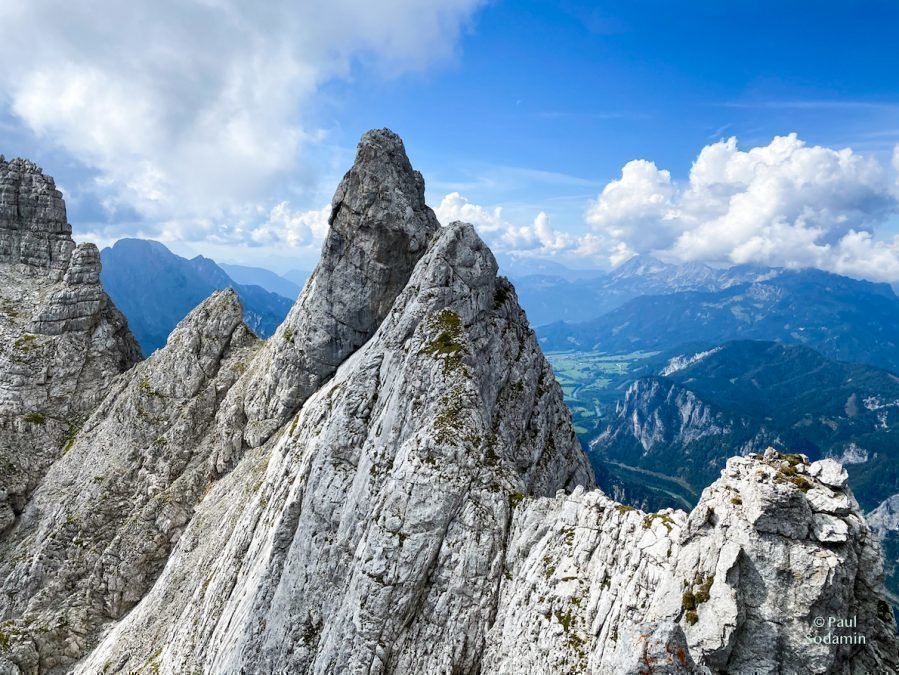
579	88
528	107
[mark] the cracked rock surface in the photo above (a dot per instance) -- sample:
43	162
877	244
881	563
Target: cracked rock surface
62	341
733	586
99	528
380	227
373	535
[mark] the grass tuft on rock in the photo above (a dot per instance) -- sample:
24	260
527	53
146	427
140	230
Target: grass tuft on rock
447	345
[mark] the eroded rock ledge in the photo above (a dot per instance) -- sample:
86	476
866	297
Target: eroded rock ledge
62	341
734	586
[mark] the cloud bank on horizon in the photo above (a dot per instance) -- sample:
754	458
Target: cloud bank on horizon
783	204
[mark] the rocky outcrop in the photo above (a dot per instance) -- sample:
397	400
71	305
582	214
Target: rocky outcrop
380	227
98	530
392	484
656	413
884	521
885	518
34	232
772	545
161	474
375	532
62	342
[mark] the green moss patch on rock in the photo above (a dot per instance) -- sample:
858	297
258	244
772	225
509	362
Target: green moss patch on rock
35	418
447	345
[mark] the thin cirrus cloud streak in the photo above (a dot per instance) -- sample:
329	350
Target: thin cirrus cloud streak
784	204
191	115
816	104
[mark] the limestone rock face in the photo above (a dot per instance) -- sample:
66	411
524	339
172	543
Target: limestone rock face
885	518
62	342
34	232
376	531
743	576
164	446
379	228
100	526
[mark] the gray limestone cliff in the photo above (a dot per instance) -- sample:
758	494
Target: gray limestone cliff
34	232
735	586
97	531
392	484
62	341
372	535
380	227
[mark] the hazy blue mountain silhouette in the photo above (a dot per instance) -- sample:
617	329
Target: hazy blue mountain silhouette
845	319
156	289
259	276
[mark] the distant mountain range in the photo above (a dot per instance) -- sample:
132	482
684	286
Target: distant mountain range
843	318
298	277
551	293
671	369
258	276
745	395
519	268
155	289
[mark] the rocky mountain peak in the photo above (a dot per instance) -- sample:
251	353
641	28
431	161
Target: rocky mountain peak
380	227
392	484
381	164
34	230
61	339
377	522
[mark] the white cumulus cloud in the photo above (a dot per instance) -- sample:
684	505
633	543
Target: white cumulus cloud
786	203
642	194
195	110
293	228
538	238
456	207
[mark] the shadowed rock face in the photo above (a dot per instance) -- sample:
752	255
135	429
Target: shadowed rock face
392	484
380	227
34	232
62	341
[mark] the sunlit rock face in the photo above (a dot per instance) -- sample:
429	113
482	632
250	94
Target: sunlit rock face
734	586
